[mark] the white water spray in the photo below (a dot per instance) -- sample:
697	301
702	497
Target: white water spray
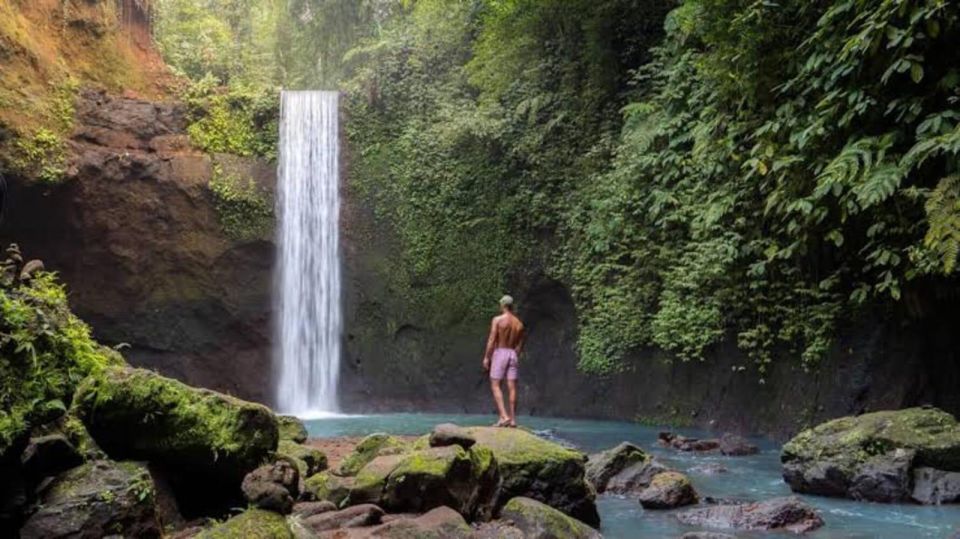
309	321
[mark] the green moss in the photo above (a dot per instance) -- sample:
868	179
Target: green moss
292	429
140	414
244	210
44	352
309	460
328	487
530	514
518	447
251	524
368	449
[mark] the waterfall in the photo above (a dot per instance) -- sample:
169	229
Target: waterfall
309	319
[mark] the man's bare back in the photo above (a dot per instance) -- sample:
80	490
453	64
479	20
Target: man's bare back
502	357
506	331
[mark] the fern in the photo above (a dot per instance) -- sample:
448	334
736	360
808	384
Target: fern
943	215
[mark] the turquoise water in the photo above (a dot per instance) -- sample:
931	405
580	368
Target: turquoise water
748	478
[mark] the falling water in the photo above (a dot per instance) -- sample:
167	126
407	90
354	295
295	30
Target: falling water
309	324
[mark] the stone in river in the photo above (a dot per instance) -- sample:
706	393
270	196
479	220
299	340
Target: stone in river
668	490
780	514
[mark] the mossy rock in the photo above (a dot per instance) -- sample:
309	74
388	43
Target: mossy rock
292	429
251	524
371	447
535	468
325	486
832	458
602	466
540	521
309	460
417	481
205	441
98	499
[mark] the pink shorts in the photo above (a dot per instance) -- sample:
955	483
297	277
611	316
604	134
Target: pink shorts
503	362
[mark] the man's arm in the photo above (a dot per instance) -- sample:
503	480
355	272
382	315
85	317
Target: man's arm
491	342
521	340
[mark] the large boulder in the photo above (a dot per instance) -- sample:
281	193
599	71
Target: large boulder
352	517
251	524
934	487
540	521
205	441
291	429
872	456
780	514
325	486
439	523
95	500
371	447
309	460
668	490
542	470
624	469
273	487
450	434
420	480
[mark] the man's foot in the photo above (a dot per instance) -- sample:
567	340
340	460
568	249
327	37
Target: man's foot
512	424
502	423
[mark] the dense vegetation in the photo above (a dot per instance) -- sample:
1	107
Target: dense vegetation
695	171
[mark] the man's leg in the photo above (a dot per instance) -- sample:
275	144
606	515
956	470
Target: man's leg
498	398
512	389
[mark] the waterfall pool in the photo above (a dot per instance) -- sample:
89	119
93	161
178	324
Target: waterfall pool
749	478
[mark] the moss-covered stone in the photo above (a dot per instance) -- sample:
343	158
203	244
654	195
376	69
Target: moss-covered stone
838	457
533	467
606	464
309	460
251	524
540	521
205	440
292	429
371	447
325	486
98	499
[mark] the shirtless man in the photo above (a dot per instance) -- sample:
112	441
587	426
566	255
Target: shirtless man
502	356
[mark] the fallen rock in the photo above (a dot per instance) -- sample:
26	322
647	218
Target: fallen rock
872	456
325	486
49	455
273	487
732	445
439	523
542	470
291	429
351	517
934	487
683	443
668	490
783	514
606	464
205	441
309	460
251	524
95	500
308	509
424	479
540	521
371	447
449	434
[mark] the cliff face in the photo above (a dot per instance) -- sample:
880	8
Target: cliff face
134	233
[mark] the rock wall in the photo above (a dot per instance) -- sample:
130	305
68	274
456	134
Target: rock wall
133	232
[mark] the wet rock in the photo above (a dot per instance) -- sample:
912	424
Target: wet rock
308	509
737	446
706	535
291	429
205	441
421	480
309	460
95	500
49	455
351	517
683	443
872	456
273	487
535	468
371	447
636	477
450	434
934	487
540	521
497	529
325	486
668	490
606	464
780	514
253	524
